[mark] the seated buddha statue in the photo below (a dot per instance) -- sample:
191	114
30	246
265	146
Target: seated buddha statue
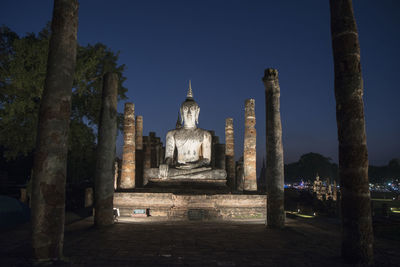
187	149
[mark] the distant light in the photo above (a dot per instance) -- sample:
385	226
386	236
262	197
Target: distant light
389	184
298	210
314	214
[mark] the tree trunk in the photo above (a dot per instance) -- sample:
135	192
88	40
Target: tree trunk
357	235
50	164
105	153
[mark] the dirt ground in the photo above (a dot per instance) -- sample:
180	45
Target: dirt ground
152	242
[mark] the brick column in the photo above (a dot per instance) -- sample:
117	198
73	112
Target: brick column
147	152
139	151
128	154
249	153
274	170
139	133
220	156
230	153
239	174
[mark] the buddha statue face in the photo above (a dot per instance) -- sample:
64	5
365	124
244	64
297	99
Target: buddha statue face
190	111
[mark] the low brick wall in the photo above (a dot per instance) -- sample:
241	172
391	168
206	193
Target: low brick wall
193	206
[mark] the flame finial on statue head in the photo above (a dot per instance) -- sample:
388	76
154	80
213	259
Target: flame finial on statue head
190	92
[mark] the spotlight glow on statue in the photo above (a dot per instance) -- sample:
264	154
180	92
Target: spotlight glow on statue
192	144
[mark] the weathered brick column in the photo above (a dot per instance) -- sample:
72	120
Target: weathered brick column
274	170
105	153
239	174
139	151
220	156
230	152
249	153
116	171
128	154
147	152
139	133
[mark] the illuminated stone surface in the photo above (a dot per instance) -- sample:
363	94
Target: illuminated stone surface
249	153
187	148
128	154
175	206
139	133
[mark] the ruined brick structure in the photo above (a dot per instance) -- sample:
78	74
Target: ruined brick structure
249	153
128	154
230	153
324	191
139	151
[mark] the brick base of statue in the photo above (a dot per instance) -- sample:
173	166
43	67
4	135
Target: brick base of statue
201	206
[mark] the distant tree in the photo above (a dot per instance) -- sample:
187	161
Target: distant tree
394	164
308	166
382	174
23	68
312	164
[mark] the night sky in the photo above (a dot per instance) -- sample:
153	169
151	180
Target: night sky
224	47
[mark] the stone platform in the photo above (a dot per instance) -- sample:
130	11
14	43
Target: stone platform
192	206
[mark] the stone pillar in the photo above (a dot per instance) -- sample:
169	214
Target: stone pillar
249	153
157	152
239	175
220	156
147	152
146	156
139	151
105	153
116	171
128	154
274	170
139	133
214	140
230	152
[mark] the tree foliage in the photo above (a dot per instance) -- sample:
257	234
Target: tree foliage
388	173
312	163
308	166
23	63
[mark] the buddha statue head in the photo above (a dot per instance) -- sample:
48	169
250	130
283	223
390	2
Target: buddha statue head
189	111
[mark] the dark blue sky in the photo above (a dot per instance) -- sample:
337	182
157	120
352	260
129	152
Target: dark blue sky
224	47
